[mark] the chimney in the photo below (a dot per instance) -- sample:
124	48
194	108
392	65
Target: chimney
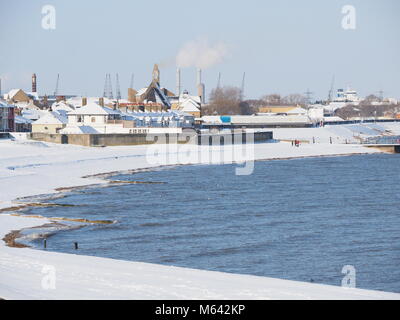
201	92
156	74
34	82
198	76
101	101
200	87
178	82
84	101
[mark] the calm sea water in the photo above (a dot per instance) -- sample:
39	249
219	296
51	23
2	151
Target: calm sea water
298	219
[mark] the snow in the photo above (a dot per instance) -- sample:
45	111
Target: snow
4	104
339	133
93	108
83	277
30	168
21	119
11	94
51	118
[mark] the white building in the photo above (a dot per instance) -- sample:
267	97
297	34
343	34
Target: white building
92	115
349	95
50	122
187	103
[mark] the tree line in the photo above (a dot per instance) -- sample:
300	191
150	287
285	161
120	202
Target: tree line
229	100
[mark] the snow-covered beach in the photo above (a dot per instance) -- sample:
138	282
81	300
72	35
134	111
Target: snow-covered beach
29	168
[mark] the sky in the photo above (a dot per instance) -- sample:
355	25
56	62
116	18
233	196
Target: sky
284	47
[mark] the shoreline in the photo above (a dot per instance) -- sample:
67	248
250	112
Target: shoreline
148	281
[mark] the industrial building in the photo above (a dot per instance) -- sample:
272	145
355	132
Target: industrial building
155	98
256	121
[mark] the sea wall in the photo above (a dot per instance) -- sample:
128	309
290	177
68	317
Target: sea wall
190	136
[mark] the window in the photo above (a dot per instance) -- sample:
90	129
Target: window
93	119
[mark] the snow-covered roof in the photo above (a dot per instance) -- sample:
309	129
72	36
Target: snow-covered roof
4	104
93	108
297	110
33	95
333	119
51	117
141	91
185	96
32	114
77	101
78	129
21	120
62	105
189	105
11	93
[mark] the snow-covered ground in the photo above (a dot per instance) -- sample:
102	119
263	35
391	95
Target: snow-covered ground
350	133
30	168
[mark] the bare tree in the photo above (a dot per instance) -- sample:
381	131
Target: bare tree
272	99
225	100
295	99
368	111
369	99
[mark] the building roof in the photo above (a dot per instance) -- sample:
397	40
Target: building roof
4	104
276	109
93	108
77	101
298	110
33	95
270	119
33	114
78	129
51	118
62	105
189	105
21	120
11	93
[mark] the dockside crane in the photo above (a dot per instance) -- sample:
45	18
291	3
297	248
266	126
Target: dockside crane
308	94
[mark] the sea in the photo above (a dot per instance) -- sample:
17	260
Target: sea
310	219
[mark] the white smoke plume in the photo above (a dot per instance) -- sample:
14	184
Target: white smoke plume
199	53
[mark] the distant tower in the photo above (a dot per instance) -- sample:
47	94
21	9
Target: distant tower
380	95
132	92
308	94
34	83
178	82
330	94
132	79
56	89
242	88
219	80
108	93
117	88
200	87
110	90
105	86
156	74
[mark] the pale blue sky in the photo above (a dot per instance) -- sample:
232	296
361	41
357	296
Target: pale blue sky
283	46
